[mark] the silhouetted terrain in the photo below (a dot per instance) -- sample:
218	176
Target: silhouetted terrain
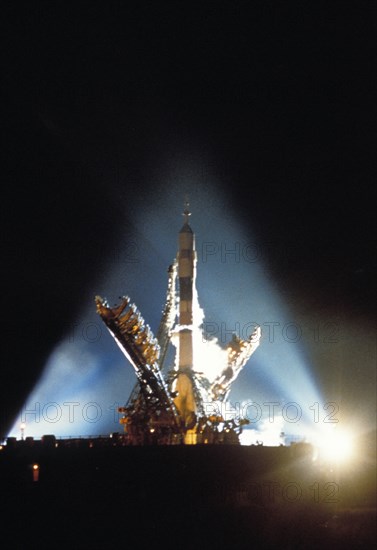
181	496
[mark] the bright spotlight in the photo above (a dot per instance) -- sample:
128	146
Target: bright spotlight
335	446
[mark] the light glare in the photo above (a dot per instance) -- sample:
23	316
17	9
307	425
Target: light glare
335	446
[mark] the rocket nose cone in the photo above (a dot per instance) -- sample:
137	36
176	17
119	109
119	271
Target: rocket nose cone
186	229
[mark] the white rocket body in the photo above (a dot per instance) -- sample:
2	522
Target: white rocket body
185	400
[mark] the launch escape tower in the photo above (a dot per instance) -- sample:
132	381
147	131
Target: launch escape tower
172	404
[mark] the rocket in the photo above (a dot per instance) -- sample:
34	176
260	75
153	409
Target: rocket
175	405
186	276
186	259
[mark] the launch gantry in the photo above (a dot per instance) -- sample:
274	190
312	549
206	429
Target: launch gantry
170	406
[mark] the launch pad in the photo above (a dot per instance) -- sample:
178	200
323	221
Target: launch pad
178	475
174	403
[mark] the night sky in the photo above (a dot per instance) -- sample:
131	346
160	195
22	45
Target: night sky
263	113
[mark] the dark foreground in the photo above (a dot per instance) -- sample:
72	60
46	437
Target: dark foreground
189	497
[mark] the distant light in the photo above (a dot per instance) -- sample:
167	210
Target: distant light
35	468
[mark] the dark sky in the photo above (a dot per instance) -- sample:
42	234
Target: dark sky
279	98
